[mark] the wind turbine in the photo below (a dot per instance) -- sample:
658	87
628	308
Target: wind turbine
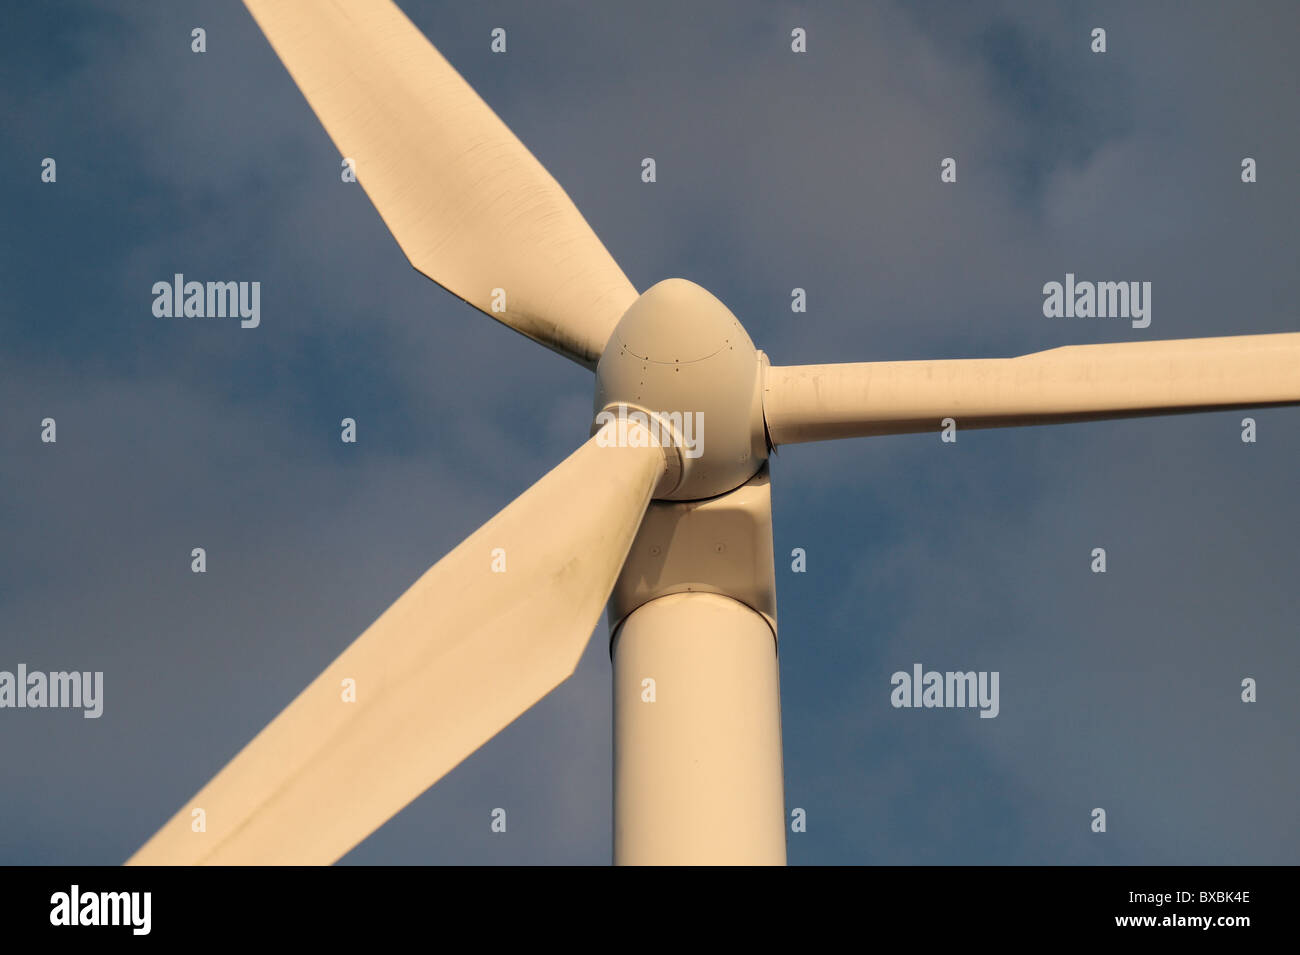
671	526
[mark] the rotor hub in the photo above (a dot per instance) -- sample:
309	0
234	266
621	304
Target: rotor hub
679	357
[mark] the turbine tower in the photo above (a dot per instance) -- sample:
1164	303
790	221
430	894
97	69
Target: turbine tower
664	513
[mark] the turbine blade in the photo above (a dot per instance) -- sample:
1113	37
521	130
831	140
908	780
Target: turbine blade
467	202
1074	383
467	649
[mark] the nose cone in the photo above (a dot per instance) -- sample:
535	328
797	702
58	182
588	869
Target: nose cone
679	352
678	322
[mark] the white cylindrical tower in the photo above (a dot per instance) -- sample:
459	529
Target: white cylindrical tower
697	735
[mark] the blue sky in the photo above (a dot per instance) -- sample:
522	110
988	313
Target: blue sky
775	170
